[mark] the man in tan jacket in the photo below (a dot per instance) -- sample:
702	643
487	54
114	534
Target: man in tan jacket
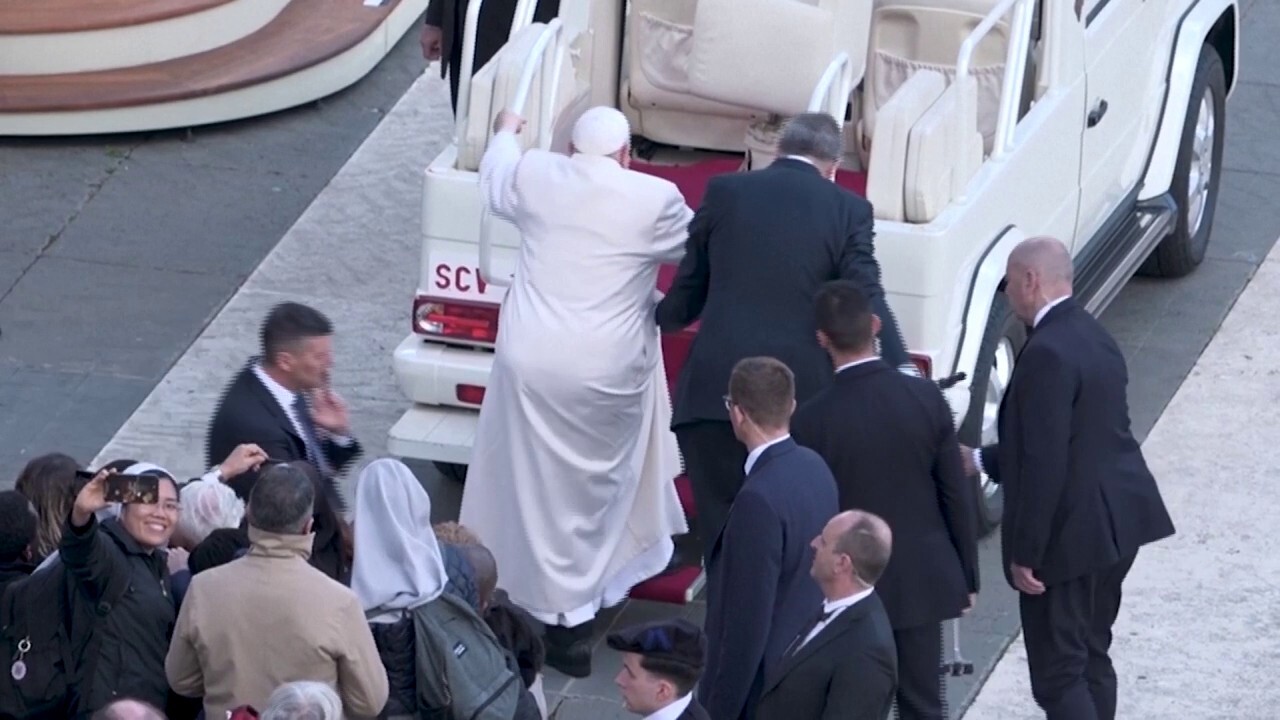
269	618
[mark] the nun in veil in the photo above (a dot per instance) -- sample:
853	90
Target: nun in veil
397	567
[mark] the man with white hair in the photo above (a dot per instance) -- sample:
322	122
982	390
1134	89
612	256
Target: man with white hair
570	485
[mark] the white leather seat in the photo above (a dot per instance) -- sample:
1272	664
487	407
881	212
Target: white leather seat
912	35
944	152
887	169
494	87
655	93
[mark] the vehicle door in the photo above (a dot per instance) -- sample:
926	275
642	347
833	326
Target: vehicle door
1121	38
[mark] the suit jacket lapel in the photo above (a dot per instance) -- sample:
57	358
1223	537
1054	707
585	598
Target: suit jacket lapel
837	627
268	400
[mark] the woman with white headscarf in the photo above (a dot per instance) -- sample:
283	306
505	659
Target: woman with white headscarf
397	567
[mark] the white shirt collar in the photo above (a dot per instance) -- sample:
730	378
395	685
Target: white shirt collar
754	455
282	394
846	366
672	711
1047	307
801	158
835	606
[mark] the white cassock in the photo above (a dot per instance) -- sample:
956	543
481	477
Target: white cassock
570	483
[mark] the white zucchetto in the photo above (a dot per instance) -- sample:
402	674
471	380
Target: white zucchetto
601	130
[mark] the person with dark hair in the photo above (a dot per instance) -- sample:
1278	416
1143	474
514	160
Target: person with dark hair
843	663
283	403
128	709
271	615
760	245
890	441
661	664
17	536
120	563
442	34
759	593
48	481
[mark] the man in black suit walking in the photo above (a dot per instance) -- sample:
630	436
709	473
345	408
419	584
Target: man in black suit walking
842	666
1079	499
282	403
661	664
759	246
759	593
442	34
891	444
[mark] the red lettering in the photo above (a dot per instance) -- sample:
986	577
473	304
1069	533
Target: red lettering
442	276
460	281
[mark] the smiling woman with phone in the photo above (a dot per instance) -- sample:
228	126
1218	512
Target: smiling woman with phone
123	604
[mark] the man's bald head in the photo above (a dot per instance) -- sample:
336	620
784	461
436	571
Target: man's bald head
1039	271
866	539
128	710
1047	256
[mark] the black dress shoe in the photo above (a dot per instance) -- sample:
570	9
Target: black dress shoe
569	649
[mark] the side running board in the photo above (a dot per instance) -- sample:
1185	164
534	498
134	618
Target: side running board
1123	253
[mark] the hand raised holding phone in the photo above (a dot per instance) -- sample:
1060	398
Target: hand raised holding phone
91	498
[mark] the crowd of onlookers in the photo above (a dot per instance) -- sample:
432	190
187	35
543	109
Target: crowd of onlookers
160	618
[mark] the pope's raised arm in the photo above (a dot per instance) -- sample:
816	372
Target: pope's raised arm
671	231
498	166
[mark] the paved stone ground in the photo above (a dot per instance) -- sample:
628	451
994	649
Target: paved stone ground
198	217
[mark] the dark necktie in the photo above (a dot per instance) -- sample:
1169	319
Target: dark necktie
315	453
310	437
822	616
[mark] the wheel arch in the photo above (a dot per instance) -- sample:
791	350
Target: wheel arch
1206	22
984	283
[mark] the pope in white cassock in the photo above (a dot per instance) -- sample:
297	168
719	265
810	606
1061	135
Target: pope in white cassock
570	483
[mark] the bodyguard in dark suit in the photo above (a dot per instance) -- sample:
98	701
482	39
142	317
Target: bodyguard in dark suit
759	247
661	664
842	666
1079	499
281	402
759	593
891	444
442	35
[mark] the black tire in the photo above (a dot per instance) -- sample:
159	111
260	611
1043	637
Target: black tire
1183	250
1001	324
456	472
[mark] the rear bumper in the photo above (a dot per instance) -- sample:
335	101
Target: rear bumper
440	434
429	373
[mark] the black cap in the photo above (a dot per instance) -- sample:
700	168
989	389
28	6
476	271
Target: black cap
675	641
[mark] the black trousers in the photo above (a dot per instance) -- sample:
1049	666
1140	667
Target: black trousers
1067	631
920	684
713	460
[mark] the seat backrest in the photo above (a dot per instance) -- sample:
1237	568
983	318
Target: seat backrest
494	87
886	172
912	35
944	152
765	54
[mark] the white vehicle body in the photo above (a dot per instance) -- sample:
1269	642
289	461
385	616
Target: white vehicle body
1103	128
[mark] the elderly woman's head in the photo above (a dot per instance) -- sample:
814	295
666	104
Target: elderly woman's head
303	701
206	506
49	482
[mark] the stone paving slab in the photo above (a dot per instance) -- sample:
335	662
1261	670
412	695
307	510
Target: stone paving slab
1196	637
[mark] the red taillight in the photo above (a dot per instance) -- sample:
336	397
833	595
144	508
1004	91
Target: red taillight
455	320
924	364
469	394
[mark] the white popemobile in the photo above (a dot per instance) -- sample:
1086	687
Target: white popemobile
975	124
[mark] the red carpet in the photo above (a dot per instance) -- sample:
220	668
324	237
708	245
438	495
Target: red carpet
692	181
